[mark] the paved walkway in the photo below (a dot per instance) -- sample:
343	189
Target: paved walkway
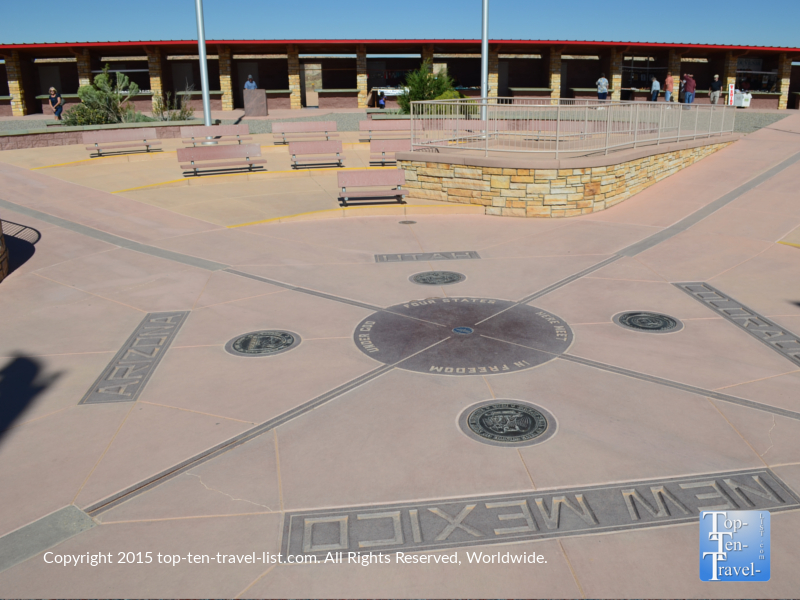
132	425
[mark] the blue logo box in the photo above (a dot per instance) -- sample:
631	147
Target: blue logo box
734	545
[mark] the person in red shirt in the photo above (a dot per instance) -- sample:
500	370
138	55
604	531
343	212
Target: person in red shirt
669	85
691	86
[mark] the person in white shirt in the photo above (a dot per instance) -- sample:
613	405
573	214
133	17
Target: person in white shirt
602	87
655	88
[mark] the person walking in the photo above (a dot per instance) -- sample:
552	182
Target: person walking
669	85
602	87
714	90
250	84
691	86
655	88
56	103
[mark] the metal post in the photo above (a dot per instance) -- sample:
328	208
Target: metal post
608	124
680	118
636	126
586	123
558	125
201	47
696	116
485	60
660	119
710	120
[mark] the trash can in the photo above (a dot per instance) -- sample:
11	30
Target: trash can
742	99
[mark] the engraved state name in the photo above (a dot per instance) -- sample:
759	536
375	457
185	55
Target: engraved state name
521	364
425	256
532	515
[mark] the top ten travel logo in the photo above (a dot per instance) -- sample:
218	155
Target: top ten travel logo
734	545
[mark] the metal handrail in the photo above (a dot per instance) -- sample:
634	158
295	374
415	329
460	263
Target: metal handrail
559	126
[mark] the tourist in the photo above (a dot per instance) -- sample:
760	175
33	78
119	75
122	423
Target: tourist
655	88
250	84
715	90
668	87
381	101
602	87
690	87
56	103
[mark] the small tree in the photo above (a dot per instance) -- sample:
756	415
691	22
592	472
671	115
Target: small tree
422	84
105	101
171	109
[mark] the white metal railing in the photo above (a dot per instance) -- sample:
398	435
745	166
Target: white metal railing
574	127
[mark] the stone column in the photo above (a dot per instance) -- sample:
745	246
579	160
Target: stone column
427	53
294	76
784	77
615	75
84	61
555	74
225	82
494	75
729	76
361	75
15	84
154	66
674	66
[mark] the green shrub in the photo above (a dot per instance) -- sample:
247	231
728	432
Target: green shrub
450	95
170	109
422	84
106	102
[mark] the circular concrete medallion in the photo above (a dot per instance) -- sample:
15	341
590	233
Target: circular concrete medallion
437	278
262	343
507	423
649	322
463	336
408	222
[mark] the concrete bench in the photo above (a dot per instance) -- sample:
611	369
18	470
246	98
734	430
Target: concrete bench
386	130
382	151
316	153
222	158
116	140
393	179
293	131
220	133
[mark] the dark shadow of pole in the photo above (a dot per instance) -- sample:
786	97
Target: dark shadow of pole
21	381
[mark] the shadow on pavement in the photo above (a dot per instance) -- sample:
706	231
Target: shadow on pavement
21	244
21	381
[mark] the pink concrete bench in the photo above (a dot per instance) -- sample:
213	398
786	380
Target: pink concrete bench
116	140
303	130
224	158
382	151
220	133
394	179
316	153
391	129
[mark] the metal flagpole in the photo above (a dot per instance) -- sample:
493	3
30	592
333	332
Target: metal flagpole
485	60
201	47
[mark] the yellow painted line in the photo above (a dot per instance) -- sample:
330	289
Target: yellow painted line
341	208
790	244
75	162
187	179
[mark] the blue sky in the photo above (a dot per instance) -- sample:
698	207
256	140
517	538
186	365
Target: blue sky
745	22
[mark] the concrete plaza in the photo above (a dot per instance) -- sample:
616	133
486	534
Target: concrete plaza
354	437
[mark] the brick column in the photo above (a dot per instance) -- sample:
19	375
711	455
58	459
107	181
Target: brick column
784	77
154	66
15	85
674	66
615	75
494	76
427	53
294	76
225	83
361	75
729	76
84	61
555	74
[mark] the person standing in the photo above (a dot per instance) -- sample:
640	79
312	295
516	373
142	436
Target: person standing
691	86
56	103
714	90
669	85
602	87
655	88
250	84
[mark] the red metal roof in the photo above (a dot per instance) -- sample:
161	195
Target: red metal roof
391	42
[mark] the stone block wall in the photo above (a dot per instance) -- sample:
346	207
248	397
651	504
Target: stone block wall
784	79
294	76
225	82
555	73
564	192
361	75
15	87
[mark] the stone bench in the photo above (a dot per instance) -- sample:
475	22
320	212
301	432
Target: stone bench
116	140
382	151
316	154
393	179
220	133
293	131
220	158
386	130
